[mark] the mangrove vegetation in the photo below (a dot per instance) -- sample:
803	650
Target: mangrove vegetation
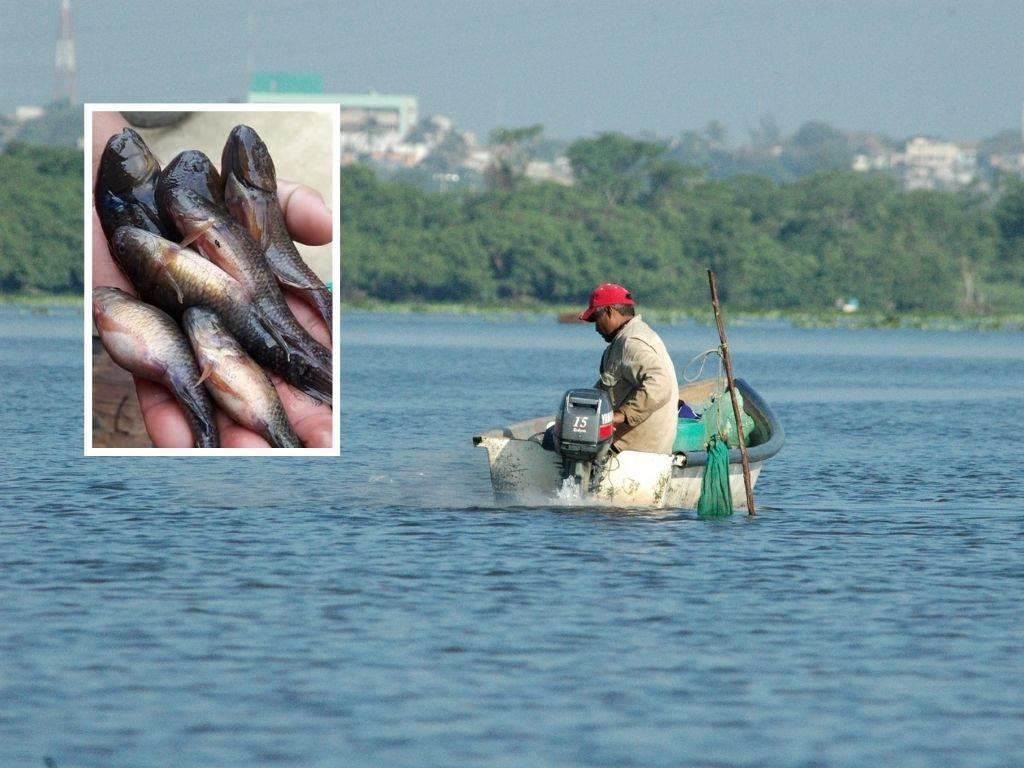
636	215
639	217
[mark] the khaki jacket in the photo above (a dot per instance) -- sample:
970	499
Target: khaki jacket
638	375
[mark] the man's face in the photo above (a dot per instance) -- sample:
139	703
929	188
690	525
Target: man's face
607	321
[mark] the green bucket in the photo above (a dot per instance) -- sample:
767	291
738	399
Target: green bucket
690	436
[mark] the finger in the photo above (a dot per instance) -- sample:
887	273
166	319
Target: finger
168	428
307	216
164	418
309	318
234	435
311	420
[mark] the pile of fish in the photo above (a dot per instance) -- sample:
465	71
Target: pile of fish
208	321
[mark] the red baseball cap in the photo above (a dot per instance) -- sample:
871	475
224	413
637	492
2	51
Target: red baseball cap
605	295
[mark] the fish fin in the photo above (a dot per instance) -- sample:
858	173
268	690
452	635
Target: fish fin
289	281
316	380
247	208
113	212
275	332
175	286
317	296
325	306
207	372
205	227
316	390
312	351
310	374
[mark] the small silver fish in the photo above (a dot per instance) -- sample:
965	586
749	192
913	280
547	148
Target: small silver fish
126	186
176	278
225	242
250	192
193	170
236	382
148	343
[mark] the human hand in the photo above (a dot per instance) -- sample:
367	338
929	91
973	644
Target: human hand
309	221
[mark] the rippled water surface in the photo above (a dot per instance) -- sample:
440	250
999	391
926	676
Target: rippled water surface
380	610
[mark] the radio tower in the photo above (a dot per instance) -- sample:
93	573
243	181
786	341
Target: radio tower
64	60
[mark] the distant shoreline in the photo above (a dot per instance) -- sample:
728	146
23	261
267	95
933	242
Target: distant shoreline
700	315
703	316
41	300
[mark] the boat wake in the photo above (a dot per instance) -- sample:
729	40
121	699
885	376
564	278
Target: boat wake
569	491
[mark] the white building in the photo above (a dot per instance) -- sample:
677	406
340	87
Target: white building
371	123
24	114
930	164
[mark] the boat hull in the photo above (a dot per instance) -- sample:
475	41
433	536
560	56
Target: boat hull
524	472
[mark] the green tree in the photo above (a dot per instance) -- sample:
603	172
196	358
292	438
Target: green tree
511	148
615	165
817	146
1009	218
40	219
641	219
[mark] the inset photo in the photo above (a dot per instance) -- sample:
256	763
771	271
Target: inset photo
212	253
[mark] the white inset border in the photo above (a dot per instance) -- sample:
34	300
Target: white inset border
334	114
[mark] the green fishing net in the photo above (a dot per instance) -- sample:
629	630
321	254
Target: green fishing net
715	496
720	419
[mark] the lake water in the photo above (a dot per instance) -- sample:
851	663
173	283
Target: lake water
381	610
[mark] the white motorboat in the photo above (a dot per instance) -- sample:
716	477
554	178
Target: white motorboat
524	471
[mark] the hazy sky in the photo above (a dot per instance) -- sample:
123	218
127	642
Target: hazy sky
950	69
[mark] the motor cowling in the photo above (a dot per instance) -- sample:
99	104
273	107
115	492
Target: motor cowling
584	425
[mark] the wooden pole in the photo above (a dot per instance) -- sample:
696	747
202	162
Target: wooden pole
732	392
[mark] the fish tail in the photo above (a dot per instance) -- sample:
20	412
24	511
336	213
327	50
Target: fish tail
306	363
310	352
317	384
279	434
312	375
199	412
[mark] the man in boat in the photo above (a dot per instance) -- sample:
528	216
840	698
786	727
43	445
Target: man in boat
636	372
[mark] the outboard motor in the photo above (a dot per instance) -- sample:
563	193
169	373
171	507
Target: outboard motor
583	434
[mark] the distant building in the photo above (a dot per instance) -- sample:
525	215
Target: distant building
1008	163
560	171
371	123
478	159
924	163
930	164
874	162
386	129
24	114
377	112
